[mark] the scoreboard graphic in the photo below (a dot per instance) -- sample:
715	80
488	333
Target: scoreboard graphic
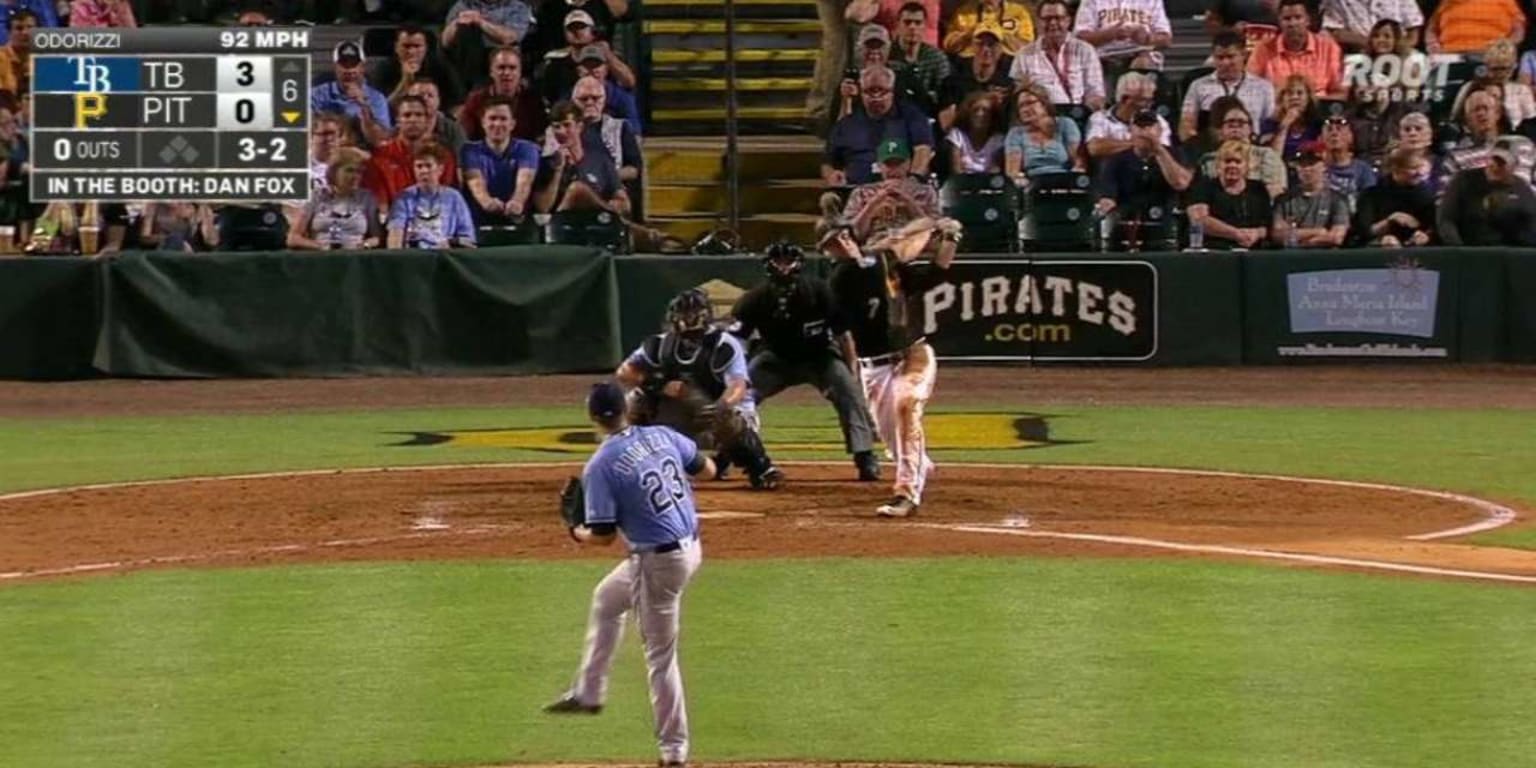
191	114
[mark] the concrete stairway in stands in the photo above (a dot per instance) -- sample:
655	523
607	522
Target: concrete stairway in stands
686	192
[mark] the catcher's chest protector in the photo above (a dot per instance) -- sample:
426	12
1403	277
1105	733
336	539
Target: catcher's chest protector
703	366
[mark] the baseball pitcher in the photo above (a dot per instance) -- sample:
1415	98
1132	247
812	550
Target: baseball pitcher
635	484
881	288
693	378
804	341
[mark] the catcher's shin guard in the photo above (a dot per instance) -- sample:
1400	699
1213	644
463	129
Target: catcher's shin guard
750	453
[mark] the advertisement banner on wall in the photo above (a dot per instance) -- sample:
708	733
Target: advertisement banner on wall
1026	310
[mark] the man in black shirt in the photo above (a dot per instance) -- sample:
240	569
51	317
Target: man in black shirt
881	290
1136	187
797	320
1491	205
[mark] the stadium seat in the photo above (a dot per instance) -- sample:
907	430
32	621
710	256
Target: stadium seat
252	228
984	204
595	228
1058	213
1154	229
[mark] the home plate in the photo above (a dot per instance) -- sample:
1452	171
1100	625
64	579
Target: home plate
729	515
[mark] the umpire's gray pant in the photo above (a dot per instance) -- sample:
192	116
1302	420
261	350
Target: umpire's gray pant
828	373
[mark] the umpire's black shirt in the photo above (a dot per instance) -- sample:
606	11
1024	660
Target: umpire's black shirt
797	324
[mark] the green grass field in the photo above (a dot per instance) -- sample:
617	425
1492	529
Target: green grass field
1064	662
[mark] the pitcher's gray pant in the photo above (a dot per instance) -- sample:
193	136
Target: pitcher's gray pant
771	374
652	585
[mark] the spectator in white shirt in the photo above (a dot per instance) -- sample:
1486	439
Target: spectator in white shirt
1068	68
1230	57
1124	29
1109	130
976	141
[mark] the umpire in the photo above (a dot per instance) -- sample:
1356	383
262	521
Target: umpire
805	341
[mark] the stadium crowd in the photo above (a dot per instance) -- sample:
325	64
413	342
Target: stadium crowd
471	116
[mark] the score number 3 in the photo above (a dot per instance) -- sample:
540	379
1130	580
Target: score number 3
276	149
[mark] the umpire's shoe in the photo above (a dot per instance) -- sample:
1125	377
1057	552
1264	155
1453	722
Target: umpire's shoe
570	705
769	480
898	506
869	466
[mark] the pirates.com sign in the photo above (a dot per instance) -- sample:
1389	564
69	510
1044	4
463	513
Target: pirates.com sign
1019	309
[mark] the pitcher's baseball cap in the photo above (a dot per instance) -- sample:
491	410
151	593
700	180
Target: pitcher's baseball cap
606	401
348	52
893	149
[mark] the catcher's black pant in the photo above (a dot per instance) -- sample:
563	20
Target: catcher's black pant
772	374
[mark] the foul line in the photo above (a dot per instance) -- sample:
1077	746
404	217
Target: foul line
1218	549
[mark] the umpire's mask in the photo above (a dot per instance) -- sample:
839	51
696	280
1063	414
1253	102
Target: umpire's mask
783	262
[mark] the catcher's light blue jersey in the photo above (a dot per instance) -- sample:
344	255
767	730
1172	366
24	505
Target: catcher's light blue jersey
638	480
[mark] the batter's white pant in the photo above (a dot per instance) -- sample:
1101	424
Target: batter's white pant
652	585
897	393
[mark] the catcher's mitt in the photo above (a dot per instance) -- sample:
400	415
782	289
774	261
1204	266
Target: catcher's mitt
573	505
728	426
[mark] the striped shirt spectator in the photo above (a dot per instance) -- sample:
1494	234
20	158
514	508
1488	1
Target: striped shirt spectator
1068	68
1298	51
1229	79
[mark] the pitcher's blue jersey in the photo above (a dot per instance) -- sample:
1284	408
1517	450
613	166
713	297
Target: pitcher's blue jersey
638	480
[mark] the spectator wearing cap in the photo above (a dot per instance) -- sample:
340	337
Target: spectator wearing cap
1040	142
579	174
1352	22
554	15
1297	50
1144	174
1233	125
893	200
101	13
622	143
592	61
444	129
987	70
351	94
873	50
1491	205
561	70
1497	71
1297	120
892	14
976	140
1067	66
1311	213
915	58
16	53
392	167
1234	210
851	147
1347	174
506	82
43	13
1399	209
499	171
1125	29
1010	22
430	215
1230	78
1469	26
416	57
1110	131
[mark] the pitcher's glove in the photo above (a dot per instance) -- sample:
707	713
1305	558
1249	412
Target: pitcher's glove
573	505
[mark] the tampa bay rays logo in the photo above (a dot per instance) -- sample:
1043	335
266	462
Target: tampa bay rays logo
946	431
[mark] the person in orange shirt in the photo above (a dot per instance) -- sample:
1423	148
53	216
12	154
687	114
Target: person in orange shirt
15	55
392	167
1011	17
1297	50
1469	26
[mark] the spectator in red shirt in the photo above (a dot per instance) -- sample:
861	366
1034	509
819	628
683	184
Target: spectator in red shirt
506	82
392	167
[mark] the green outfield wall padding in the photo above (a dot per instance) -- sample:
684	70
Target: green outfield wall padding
518	310
48	317
1520	307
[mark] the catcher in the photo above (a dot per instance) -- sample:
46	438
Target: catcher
881	287
693	378
635	484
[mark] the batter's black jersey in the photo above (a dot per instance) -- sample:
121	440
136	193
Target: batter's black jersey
882	304
796	323
665	357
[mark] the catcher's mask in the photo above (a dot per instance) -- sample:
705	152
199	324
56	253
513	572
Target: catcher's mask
783	262
689	315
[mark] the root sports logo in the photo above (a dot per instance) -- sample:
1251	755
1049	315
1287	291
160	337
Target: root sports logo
1416	77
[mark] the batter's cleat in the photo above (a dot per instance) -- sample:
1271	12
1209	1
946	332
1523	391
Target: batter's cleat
570	705
869	466
769	480
898	506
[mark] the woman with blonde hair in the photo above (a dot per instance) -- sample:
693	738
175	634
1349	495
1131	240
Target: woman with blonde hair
1235	210
976	141
1297	119
341	215
1498	70
1040	142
